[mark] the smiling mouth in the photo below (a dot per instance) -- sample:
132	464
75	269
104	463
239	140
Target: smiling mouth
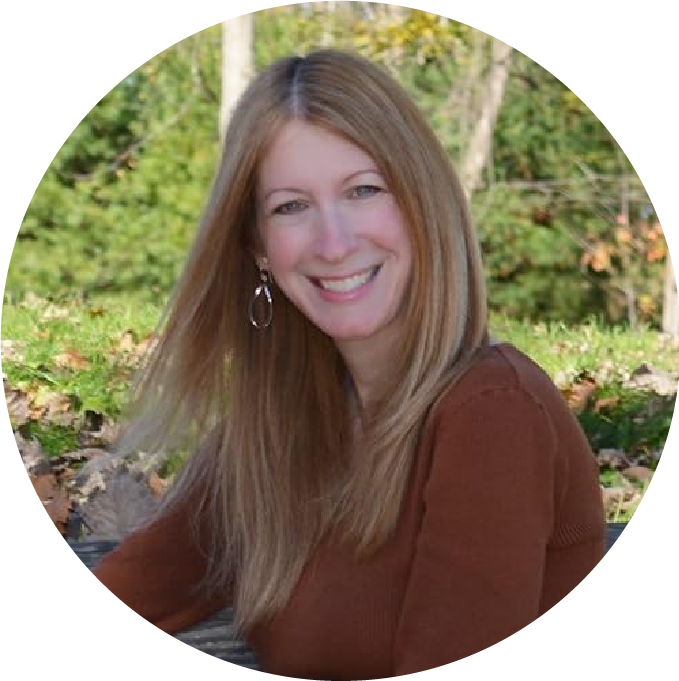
348	284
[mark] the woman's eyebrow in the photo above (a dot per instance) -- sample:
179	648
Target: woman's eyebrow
295	190
291	190
374	171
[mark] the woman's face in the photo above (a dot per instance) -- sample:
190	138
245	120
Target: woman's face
335	239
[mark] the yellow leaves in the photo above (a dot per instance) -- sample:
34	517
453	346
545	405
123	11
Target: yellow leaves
653	231
420	35
598	257
643	240
644	237
571	102
657	252
647	305
623	235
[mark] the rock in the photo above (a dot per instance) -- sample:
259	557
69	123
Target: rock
646	377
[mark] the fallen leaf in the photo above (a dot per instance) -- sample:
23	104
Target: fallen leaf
146	345
18	405
126	342
605	403
71	359
614	497
578	395
157	485
127	347
13	350
34	460
119	509
54	499
637	473
52	407
44	485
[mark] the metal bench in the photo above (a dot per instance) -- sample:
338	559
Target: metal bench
215	636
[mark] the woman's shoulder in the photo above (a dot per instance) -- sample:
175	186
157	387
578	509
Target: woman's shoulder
500	368
505	392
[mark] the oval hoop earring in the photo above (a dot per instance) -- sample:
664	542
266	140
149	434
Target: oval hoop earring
261	290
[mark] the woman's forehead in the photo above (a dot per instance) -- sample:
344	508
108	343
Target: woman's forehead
302	152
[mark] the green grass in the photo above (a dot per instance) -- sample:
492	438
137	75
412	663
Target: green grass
89	332
639	421
609	353
73	362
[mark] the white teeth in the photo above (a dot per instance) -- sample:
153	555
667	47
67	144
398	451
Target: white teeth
348	284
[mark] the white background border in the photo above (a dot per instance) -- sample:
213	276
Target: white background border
58	60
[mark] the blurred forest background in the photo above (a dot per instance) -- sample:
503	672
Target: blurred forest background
567	229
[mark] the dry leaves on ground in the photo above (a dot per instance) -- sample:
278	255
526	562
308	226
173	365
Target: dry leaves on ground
90	491
41	404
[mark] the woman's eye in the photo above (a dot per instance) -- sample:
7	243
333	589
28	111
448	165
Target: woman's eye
288	207
365	190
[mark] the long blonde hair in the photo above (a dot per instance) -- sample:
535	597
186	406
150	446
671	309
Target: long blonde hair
273	474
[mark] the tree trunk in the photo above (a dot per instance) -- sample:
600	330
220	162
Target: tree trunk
339	12
237	64
481	140
670	321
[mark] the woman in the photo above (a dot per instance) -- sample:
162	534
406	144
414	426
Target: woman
382	490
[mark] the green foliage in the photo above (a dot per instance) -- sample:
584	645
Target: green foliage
117	208
545	132
637	423
54	440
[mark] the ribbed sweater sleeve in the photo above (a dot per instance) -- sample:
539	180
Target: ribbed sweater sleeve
156	572
490	504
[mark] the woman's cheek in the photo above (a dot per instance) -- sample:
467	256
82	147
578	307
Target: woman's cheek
285	250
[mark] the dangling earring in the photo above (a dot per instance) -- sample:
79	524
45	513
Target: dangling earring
263	288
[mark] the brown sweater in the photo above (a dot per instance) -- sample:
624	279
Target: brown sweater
502	519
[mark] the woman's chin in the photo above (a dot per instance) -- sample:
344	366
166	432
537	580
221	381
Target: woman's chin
352	332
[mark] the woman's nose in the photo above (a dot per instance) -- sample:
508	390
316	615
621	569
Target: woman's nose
336	237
